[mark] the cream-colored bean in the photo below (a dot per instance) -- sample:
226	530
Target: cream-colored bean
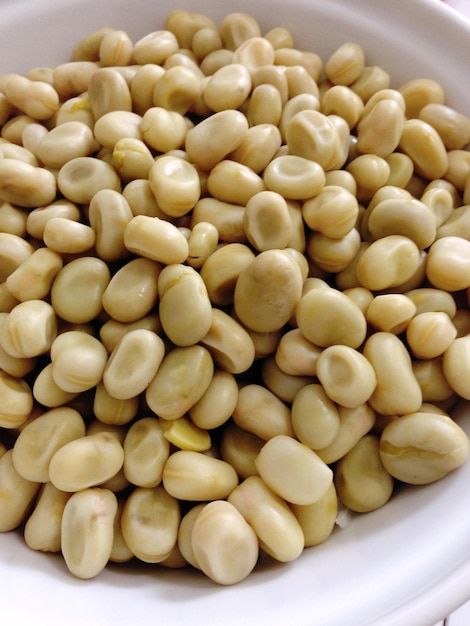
311	135
175	184
430	376
202	242
458	169
37	99
333	254
294	177
279	533
457	224
401	169
163	130
420	92
142	86
388	262
341	100
230	345
112	331
422	143
441	203
221	270
452	126
361	296
113	412
108	91
327	317
29	329
185	435
317	520
16	367
431	299
362	483
217	403
280	37
67	236
25	185
41	438
234	182
132	291
261	413
228	87
315	418
194	476
78	289
184	25
78	361
371	80
215	60
38	218
155	47
79	179
430	334
116	49
20	153
13	129
65	142
300	81
185	531
86	462
392	365
14	251
268	290
274	76
391	312
332	212
133	363
132	158
345	64
33	279
290	57
401	216
16	401
155	239
456	365
346	375
181	380
447	264
264	105
377	136
76	109
71	79
146	451
370	173
42	530
238	27
7	301
87	531
116	125
284	386
230	125
185	309
258	147
47	393
240	448
177	89
434	443
109	213
6	109
16	494
293	470
205	41
88	48
224	545
267	221
13	219
227	218
295	355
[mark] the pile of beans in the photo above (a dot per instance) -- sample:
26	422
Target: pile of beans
233	295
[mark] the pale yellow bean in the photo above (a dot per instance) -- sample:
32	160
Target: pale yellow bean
284	386
333	254
435	445
431	299
317	520
430	376
456	365
16	494
227	218
312	135
194	476
25	185
230	127
388	262
362	483
332	212
217	403
430	334
181	380
341	100
80	178
146	451
202	242
448	260
175	184
327	317
16	367
71	79
370	172
163	130
78	361
315	418
279	533
65	142
155	239
401	169
16	401
46	391
38	218
42	530
264	105
109	213
258	147
86	462
88	48
185	309
345	64
13	219
87	531
177	89
132	158
289	57
67	236
391	312
108	91
221	270
78	289
37	99
215	60
268	290
29	329
14	251
452	126
295	355
204	41
422	143
260	412
228	87
133	363
397	391
33	279
457	224
372	79
116	49
132	291
420	92
233	182
380	130
458	169
240	448
224	545
402	216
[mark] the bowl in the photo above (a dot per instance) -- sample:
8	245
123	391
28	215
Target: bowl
406	564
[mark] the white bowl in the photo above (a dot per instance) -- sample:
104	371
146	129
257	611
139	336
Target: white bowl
407	564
